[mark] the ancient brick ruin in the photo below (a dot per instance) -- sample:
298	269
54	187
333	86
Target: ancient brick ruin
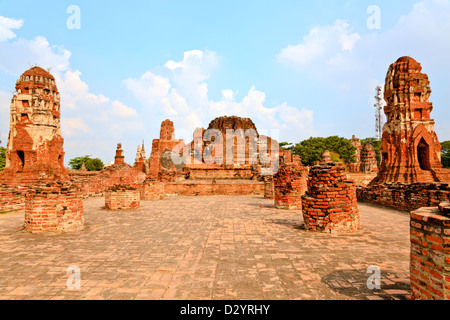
290	185
368	159
55	207
141	163
330	203
35	145
122	197
430	257
410	148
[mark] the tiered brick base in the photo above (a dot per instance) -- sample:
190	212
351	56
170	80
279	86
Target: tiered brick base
122	197
54	208
152	190
290	185
268	187
330	203
430	254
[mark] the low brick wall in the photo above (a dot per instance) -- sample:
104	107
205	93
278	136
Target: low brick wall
430	254
95	184
406	197
289	186
209	188
12	198
122	197
152	190
330	204
54	208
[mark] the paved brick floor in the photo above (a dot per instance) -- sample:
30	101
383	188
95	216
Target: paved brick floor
205	248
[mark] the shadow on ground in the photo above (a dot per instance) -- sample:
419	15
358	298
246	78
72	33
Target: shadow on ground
353	283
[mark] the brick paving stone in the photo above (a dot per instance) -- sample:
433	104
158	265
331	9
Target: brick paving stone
217	247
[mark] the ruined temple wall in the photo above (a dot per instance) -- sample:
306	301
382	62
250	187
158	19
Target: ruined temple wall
12	198
405	197
94	184
122	197
217	188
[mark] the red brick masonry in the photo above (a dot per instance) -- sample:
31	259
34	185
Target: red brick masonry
54	208
290	184
430	253
330	203
403	196
122	197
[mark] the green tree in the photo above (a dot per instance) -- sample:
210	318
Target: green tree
311	150
445	160
376	145
285	145
445	147
90	164
2	158
94	165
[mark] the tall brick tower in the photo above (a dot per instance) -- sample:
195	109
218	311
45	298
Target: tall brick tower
35	145
410	147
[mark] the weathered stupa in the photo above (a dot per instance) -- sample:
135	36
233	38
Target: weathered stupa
35	145
410	148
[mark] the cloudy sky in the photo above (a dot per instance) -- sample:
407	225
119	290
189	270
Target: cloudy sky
297	68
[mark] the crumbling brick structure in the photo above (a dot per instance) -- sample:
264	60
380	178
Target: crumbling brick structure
162	148
368	160
122	197
289	185
119	158
269	188
54	207
430	254
410	148
152	190
330	203
356	166
141	163
35	145
405	196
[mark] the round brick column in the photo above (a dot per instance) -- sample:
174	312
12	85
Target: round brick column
330	203
290	185
54	208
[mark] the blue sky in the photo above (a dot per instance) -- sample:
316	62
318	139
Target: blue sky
297	68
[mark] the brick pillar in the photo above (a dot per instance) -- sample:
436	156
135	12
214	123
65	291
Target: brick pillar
430	253
122	197
290	185
54	208
330	203
268	187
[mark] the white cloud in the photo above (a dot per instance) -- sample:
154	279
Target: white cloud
88	119
6	24
182	96
322	44
349	64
